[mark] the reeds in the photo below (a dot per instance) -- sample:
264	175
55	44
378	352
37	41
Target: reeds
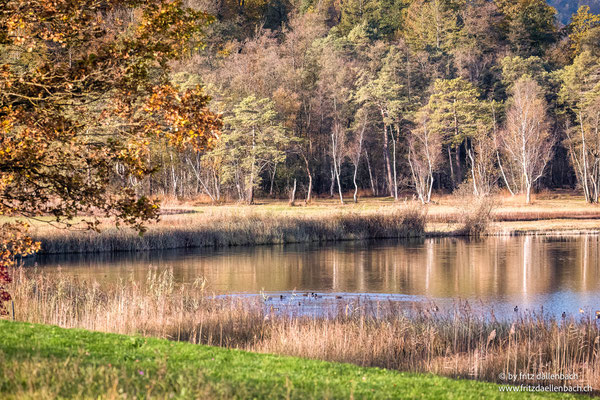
236	229
410	337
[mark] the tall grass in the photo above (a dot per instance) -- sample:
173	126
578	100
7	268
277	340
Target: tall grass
222	230
476	216
417	337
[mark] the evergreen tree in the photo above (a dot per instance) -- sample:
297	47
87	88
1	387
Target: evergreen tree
253	139
530	25
455	108
584	25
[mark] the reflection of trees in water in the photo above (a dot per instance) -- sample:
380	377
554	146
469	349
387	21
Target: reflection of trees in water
448	267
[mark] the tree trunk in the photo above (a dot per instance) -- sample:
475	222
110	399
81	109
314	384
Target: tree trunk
332	186
293	195
394	167
386	157
272	179
373	187
310	180
472	158
457	152
252	170
503	174
336	162
450	162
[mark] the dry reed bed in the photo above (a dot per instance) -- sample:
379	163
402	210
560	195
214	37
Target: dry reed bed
196	230
455	343
521	215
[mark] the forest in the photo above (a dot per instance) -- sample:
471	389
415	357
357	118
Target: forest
400	98
394	98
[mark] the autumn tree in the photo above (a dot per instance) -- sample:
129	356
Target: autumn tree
83	90
424	154
582	28
482	155
580	94
526	138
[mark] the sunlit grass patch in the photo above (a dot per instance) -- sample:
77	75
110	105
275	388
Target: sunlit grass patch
38	361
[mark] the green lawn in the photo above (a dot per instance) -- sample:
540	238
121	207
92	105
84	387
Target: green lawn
41	361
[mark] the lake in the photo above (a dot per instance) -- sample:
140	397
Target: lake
558	273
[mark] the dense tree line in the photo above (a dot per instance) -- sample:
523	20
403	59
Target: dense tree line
382	97
392	98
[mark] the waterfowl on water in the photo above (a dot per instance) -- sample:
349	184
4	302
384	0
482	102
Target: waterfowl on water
516	309
581	311
338	297
597	314
564	315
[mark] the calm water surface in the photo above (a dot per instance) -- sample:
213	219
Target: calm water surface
558	273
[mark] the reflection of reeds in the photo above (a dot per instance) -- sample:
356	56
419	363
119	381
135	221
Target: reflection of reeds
197	230
457	343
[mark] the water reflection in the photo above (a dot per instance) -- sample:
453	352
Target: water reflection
557	272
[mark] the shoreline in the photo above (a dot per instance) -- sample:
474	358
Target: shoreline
121	240
220	226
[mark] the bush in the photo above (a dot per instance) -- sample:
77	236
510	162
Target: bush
474	213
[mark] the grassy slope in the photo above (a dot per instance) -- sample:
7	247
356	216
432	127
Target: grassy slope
43	361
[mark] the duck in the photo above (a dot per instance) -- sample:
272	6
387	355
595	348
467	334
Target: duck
564	315
516	309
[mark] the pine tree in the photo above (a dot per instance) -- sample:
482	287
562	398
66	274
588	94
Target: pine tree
252	140
455	108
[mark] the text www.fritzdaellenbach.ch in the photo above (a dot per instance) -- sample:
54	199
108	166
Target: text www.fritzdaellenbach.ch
537	383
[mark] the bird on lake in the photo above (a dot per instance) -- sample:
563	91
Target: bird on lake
281	297
564	315
516	309
338	297
597	314
581	311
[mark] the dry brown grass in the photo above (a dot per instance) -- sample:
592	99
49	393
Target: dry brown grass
274	222
244	226
456	342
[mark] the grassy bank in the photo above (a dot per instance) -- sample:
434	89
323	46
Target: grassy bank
39	361
274	222
418	338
